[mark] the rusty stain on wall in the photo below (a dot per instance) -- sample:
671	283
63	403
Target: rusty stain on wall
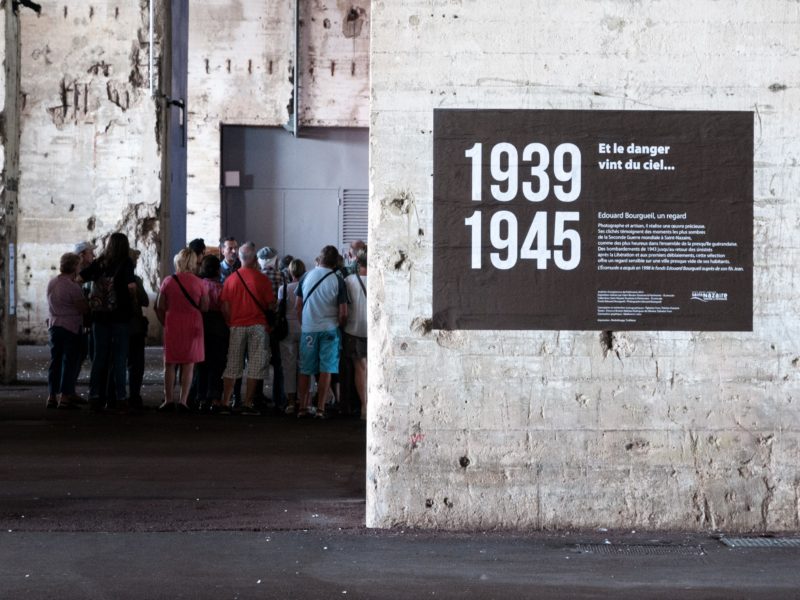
42	52
422	325
119	95
353	22
100	67
74	103
141	222
138	54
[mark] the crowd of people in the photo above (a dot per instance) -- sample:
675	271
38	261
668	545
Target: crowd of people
228	320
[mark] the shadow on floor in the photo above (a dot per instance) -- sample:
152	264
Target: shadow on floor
82	471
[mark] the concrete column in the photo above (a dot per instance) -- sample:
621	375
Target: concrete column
8	203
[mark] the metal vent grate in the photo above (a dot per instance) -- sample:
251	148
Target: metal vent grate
640	549
760	542
355	210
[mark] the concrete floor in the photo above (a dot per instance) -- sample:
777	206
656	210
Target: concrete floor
168	506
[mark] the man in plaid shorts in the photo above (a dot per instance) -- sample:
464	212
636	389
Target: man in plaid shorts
246	295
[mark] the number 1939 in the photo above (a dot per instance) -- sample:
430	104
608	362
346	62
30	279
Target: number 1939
504	226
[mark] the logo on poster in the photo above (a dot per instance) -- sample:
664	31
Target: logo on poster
710	296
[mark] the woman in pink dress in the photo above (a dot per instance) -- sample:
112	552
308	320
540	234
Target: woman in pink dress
181	302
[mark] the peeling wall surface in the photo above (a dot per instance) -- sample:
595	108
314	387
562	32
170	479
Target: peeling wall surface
519	429
89	157
241	56
2	96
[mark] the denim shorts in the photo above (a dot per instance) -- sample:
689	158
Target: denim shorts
319	352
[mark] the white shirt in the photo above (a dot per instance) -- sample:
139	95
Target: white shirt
291	302
357	311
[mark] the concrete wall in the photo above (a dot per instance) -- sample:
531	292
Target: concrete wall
2	87
89	155
558	429
240	67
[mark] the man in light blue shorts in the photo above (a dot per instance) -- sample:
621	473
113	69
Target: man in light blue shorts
321	309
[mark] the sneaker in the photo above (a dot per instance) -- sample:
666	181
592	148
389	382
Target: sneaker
65	403
249	411
51	402
290	409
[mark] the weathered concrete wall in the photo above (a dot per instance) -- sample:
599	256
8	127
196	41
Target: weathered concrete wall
558	429
90	159
7	322
2	86
240	73
89	156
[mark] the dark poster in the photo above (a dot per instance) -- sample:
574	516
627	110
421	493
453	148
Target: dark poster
570	219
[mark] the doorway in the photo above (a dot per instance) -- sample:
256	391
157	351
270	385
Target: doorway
294	194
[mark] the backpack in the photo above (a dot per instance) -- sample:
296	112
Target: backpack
102	295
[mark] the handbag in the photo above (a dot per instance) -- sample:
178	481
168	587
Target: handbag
102	294
268	314
281	329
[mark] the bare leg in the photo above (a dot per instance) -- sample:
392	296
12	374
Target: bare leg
361	383
169	382
250	391
323	386
303	383
186	381
227	390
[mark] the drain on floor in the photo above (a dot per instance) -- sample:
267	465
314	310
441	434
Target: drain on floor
641	549
760	542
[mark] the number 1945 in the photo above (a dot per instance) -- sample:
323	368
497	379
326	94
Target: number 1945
503	225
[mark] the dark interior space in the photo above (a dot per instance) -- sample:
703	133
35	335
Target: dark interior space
75	470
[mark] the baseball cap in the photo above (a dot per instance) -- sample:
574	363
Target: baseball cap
83	247
266	253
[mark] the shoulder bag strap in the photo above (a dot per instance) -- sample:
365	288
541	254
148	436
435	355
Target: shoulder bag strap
258	304
185	293
361	282
315	286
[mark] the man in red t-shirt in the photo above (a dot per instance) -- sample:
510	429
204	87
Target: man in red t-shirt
246	295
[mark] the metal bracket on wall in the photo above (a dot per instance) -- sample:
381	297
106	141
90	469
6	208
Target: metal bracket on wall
181	104
37	8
